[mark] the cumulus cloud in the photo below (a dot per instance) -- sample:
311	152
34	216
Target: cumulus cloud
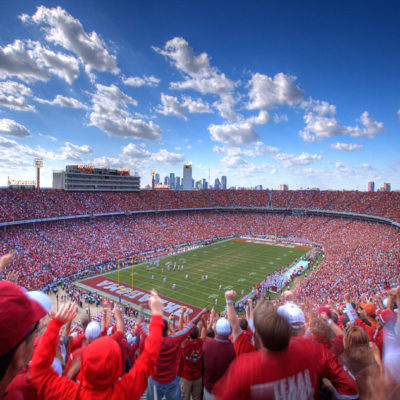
138	81
133	151
170	105
165	157
257	150
8	127
63	101
74	152
13	95
63	29
199	75
290	160
238	133
321	122
110	114
346	146
52	138
266	92
238	164
30	61
17	60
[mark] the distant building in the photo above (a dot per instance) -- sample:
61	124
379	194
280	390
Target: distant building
284	187
88	178
160	186
205	184
157	179
386	187
177	183
172	181
217	184
223	182
21	184
187	181
166	180
371	186
259	187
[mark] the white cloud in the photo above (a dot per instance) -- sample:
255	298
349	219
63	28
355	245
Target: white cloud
74	152
30	61
266	92
170	105
63	29
257	150
199	75
16	60
133	151
63	101
238	133
138	81
321	122
8	127
110	114
12	95
290	160
52	138
279	118
238	164
107	162
346	146
165	157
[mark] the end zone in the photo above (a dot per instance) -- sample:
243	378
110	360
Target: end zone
136	297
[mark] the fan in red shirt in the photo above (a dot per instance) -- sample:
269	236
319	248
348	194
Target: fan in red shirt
191	359
285	367
164	380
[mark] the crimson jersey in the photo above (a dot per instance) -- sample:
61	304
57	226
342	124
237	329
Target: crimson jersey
191	360
294	373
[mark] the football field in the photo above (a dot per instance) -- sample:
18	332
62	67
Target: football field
233	264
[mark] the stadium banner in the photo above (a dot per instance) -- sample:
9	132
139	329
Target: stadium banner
137	296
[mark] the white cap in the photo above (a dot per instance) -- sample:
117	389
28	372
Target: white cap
223	327
131	339
92	330
42	298
292	313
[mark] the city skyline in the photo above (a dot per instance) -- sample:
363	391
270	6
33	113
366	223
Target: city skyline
305	95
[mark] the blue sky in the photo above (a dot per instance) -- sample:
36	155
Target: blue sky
302	93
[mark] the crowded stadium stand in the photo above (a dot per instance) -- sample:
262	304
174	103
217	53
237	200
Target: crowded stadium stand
340	322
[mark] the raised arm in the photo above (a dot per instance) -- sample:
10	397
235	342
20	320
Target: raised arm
232	316
47	382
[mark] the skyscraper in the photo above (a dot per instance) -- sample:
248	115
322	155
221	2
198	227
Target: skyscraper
386	187
177	183
157	179
166	180
172	181
371	186
223	182
217	184
187	178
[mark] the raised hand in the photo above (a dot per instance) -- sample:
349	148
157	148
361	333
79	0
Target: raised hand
67	312
155	304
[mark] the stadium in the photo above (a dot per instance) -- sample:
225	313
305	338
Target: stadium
196	246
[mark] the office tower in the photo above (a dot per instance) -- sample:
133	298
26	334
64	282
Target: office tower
166	180
284	187
386	187
217	184
177	183
187	178
172	181
157	179
223	182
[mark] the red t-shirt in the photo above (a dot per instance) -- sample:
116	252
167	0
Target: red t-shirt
295	372
191	360
243	344
167	362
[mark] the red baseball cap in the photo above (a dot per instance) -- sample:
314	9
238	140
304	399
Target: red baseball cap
19	310
387	316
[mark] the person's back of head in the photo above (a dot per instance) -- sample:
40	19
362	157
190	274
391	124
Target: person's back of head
101	364
272	328
223	328
243	324
321	331
194	334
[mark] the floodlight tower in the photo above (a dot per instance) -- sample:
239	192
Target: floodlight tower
153	177
38	165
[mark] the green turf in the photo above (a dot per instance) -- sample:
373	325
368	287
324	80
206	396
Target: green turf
232	264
